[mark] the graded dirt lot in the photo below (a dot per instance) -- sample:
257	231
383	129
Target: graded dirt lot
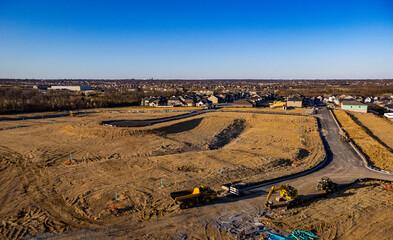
377	153
273	110
360	211
382	129
141	166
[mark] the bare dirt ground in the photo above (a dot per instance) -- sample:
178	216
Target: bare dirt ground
377	153
379	127
360	211
273	110
40	193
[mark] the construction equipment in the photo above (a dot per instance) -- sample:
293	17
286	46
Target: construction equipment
278	104
237	188
72	114
330	106
286	192
190	197
327	185
344	138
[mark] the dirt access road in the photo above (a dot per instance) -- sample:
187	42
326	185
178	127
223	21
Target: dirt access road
343	166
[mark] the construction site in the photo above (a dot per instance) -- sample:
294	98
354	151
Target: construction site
194	174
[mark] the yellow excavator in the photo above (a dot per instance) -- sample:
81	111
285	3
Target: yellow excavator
287	192
278	104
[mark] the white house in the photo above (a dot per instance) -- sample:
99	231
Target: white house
388	116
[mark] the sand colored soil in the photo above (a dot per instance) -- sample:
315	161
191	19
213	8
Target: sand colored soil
42	120
361	211
147	108
40	193
277	110
377	153
379	127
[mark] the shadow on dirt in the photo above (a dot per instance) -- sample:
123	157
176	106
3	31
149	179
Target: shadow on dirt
227	134
302	153
306	200
178	127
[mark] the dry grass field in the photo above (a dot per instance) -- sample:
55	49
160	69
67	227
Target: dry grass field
40	193
378	154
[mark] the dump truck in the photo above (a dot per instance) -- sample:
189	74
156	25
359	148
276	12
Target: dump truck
287	193
327	185
190	197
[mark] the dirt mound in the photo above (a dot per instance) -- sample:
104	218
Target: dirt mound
142	165
227	134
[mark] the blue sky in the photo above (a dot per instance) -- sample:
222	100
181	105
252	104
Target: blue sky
196	39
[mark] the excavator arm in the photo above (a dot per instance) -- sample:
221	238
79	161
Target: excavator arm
286	191
272	190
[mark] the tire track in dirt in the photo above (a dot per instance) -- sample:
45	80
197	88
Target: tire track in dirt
41	192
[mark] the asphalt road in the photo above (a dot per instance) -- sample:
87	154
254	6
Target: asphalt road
344	166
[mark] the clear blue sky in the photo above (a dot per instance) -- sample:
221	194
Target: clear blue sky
196	39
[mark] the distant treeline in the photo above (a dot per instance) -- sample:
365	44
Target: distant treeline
19	100
369	89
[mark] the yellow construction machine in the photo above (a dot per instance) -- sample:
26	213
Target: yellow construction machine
190	197
344	137
287	193
327	185
278	104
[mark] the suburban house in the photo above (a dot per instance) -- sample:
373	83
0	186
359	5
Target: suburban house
174	101
295	101
332	99
190	102
228	98
343	97
147	100
203	103
242	103
368	99
354	106
213	99
154	103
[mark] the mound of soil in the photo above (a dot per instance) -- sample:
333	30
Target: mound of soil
227	134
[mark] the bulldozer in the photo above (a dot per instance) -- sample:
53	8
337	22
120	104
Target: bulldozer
287	193
327	185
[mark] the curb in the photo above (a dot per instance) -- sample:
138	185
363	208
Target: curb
361	155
